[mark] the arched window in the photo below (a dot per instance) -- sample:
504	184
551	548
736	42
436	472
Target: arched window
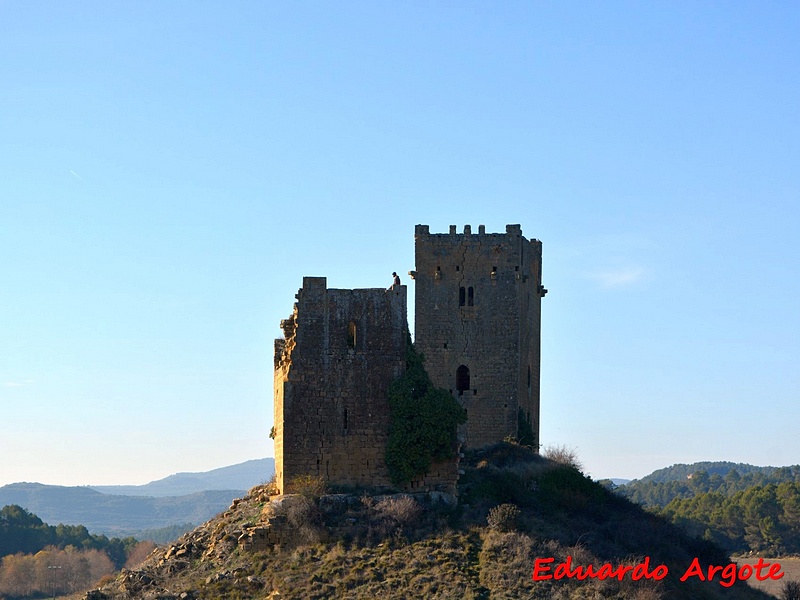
470	296
462	379
351	335
461	296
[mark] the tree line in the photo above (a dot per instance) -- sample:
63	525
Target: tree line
762	518
655	493
758	511
39	559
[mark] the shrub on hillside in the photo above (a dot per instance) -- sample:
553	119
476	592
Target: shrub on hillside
307	486
563	455
504	517
402	511
790	590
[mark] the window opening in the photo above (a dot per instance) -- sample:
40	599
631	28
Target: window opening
351	335
461	296
470	296
529	381
462	379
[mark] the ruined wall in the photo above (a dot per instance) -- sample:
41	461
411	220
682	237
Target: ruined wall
341	351
478	323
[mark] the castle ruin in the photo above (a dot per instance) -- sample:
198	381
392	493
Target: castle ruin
477	308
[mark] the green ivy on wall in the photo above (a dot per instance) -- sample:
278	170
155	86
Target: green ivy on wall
422	424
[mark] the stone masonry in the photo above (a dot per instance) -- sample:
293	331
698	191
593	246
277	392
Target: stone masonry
341	351
478	323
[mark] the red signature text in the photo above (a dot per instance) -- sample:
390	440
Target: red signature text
726	576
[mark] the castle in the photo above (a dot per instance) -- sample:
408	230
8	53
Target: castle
477	322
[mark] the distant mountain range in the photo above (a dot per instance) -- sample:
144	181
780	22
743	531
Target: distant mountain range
181	499
236	477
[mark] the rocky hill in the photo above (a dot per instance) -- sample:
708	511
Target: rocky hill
514	508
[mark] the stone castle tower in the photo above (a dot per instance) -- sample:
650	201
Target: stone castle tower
478	323
341	350
478	299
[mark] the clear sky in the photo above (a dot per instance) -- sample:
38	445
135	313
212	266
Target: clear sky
169	171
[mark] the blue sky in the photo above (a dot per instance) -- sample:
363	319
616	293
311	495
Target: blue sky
171	171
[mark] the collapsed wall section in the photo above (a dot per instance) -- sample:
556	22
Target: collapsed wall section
341	351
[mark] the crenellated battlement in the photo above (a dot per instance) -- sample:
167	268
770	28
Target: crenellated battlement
478	323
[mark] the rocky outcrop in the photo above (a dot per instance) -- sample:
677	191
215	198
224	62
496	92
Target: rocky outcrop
216	554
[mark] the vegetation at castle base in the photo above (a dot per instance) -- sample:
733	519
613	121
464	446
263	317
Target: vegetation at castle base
423	420
564	513
758	511
39	559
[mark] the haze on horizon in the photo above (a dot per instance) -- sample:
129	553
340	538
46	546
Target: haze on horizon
171	172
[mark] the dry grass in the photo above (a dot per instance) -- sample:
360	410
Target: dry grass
790	566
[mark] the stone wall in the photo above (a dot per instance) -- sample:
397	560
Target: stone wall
341	351
478	323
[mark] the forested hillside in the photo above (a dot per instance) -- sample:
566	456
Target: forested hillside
663	486
22	531
721	467
762	518
756	511
37	558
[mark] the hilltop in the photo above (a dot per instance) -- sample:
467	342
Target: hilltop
514	507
